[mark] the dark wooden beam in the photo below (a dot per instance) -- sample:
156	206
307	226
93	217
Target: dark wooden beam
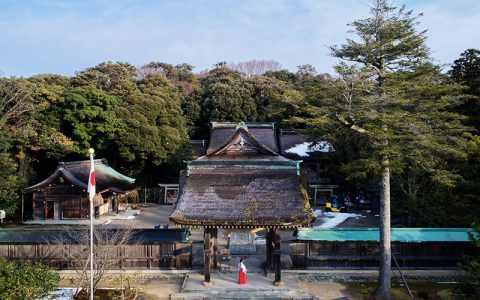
209	238
207	258
213	239
270	245
277	258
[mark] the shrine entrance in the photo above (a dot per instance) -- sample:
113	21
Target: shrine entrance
242	183
214	257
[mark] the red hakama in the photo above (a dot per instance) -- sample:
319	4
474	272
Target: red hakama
242	277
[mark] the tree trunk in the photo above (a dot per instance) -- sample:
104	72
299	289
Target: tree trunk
385	275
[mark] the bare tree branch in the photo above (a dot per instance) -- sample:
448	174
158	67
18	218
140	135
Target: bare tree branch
255	67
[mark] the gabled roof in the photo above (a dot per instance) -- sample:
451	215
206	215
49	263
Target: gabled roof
76	173
242	183
296	145
239	145
263	132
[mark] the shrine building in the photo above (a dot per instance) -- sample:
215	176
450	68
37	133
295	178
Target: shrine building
63	195
242	183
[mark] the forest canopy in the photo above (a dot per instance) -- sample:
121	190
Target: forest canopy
140	119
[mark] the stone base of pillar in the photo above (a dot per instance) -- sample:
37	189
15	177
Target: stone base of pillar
278	283
207	284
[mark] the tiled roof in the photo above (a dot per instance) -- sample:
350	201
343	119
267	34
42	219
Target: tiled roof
222	131
76	173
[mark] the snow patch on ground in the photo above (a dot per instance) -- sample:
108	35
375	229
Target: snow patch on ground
60	294
331	219
303	148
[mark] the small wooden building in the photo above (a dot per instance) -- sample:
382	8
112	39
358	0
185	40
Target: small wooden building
242	183
63	195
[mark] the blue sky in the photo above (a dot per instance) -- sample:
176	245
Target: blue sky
47	36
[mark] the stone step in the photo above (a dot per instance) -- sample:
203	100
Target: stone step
236	294
187	296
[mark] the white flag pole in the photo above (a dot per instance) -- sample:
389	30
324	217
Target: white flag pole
90	187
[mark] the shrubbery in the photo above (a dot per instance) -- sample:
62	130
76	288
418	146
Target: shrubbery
25	280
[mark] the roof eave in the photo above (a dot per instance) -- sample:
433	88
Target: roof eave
50	179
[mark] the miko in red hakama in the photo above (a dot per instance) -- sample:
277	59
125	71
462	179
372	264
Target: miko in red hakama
242	273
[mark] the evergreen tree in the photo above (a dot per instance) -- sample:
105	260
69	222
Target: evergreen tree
16	109
266	91
113	78
382	102
89	119
226	96
155	127
466	71
187	84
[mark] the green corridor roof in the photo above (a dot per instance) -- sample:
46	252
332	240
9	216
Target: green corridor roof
413	235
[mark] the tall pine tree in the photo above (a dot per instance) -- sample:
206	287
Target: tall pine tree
380	100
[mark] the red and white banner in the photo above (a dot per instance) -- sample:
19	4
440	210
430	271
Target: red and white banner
91	180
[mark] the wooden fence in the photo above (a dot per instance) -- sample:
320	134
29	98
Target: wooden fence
147	248
359	254
170	256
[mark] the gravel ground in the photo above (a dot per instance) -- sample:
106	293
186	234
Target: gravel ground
329	290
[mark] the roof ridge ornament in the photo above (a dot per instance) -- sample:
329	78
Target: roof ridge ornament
242	125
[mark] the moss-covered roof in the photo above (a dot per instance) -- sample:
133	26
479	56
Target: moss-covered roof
76	173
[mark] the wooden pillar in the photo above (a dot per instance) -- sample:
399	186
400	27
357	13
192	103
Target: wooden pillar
45	208
209	237
270	246
23	206
33	206
277	255
207	255
214	234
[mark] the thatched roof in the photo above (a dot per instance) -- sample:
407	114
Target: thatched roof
76	173
243	183
251	199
